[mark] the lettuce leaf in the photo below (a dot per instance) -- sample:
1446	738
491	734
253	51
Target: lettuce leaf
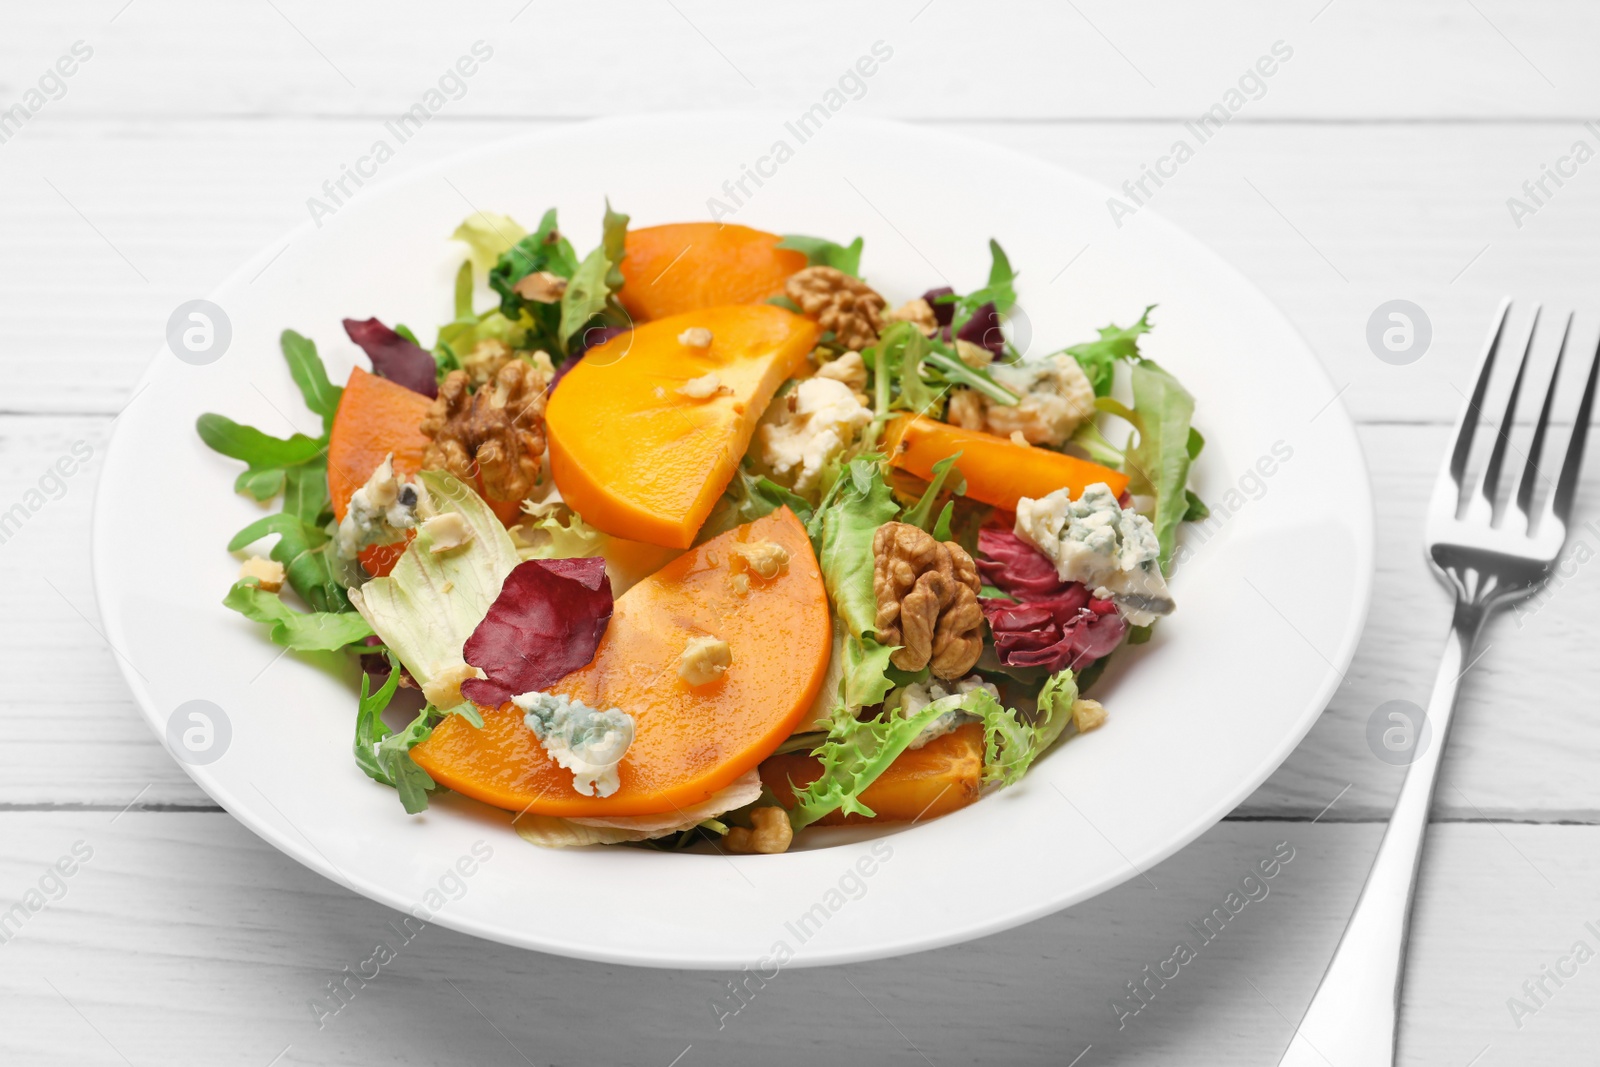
313	631
748	498
488	236
859	502
854	754
1161	448
1011	742
428	606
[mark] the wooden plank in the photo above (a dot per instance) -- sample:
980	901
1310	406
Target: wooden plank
1523	710
952	58
1331	221
184	939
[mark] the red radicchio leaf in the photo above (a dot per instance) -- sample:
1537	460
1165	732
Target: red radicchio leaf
943	314
545	624
395	358
1048	623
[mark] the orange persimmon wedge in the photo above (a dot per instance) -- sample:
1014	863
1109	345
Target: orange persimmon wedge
998	471
941	776
688	741
376	417
636	456
687	266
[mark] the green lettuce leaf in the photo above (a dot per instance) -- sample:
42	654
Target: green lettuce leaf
854	754
428	606
821	252
314	631
859	502
748	498
543	249
488	237
1158	455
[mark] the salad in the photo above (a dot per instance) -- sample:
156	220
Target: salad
698	537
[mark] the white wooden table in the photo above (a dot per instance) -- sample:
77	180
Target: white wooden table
1376	165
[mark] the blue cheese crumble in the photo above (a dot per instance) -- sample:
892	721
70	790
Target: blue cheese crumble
380	512
919	695
1096	541
585	741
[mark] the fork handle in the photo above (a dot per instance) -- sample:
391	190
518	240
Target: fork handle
1352	1020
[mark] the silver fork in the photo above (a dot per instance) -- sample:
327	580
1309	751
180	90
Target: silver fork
1489	558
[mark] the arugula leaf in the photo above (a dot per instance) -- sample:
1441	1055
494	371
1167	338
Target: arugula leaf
306	368
821	252
394	759
305	492
922	510
860	503
488	236
303	550
370	727
544	249
1099	358
1196	511
316	631
1158	454
261	451
260	484
748	498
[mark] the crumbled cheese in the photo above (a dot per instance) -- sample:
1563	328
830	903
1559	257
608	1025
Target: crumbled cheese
443	690
704	387
918	695
268	573
1018	438
704	660
740	583
587	742
380	512
1094	540
814	424
445	532
766	559
695	337
1056	398
849	368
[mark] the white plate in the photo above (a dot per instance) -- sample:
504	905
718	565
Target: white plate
1270	605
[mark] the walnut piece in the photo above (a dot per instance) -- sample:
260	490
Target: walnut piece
1087	715
845	305
927	593
496	433
919	313
704	387
704	660
541	287
771	835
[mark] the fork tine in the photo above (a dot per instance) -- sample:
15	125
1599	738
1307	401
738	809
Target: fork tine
1567	485
1502	433
1530	470
1467	424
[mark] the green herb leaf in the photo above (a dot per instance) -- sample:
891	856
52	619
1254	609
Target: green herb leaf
393	756
261	451
488	236
922	510
305	492
306	368
1157	458
316	631
614	239
370	727
1099	358
260	484
1196	510
587	294
464	291
821	252
748	498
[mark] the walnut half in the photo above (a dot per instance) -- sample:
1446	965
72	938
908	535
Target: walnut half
847	306
927	593
496	433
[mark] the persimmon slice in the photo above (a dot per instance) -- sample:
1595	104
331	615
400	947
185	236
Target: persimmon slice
640	453
688	742
941	776
687	266
376	417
